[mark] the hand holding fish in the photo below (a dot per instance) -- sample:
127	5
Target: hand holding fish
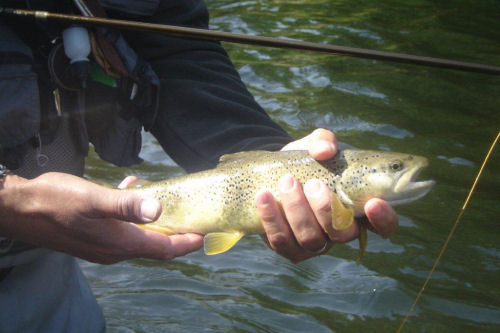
69	214
304	228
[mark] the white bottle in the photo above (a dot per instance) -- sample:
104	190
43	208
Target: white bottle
77	48
76	43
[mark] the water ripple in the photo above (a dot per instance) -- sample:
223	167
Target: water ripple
360	32
353	123
455	161
256	81
465	311
232	23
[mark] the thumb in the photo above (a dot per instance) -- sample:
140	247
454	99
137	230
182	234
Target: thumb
321	144
127	206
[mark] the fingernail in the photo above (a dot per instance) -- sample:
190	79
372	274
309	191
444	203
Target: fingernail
286	183
331	147
122	185
376	213
376	210
326	145
149	209
322	149
312	188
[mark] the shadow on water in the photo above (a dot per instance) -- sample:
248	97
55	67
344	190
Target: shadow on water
448	116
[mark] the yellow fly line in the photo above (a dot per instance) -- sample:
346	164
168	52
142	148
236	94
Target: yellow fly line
450	235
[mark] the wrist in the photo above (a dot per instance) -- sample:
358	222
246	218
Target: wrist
3	171
11	201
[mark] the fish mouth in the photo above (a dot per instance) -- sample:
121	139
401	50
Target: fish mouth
407	189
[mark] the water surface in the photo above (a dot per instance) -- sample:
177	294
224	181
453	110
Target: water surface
448	116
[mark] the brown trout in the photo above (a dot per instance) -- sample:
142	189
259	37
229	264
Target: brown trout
220	203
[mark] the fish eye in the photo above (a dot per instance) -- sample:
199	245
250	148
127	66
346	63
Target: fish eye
396	165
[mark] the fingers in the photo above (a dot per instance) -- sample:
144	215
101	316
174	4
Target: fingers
382	217
321	144
127	182
304	225
157	245
180	245
279	236
135	242
318	195
125	206
301	218
292	232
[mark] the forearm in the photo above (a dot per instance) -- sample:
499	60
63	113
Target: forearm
205	108
206	111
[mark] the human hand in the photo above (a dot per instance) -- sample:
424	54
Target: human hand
303	229
69	214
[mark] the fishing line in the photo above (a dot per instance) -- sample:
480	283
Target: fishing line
452	231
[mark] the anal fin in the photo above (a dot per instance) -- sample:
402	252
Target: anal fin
219	242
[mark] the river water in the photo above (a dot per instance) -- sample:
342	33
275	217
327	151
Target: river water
448	116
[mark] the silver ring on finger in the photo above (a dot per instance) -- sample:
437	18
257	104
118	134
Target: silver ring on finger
323	248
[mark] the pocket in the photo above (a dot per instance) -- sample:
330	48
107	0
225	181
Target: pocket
134	7
113	127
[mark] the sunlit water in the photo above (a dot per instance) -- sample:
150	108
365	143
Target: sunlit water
448	116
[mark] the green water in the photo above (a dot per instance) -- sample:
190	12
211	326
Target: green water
450	117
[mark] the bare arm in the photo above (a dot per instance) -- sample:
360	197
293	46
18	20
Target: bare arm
69	214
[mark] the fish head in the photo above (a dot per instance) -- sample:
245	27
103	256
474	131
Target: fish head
386	175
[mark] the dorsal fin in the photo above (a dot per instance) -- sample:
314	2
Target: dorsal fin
251	154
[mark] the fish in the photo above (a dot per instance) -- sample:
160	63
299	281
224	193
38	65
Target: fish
220	203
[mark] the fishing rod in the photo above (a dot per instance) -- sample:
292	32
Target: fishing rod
196	33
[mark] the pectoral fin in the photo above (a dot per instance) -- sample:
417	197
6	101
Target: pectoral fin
342	217
156	228
219	242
